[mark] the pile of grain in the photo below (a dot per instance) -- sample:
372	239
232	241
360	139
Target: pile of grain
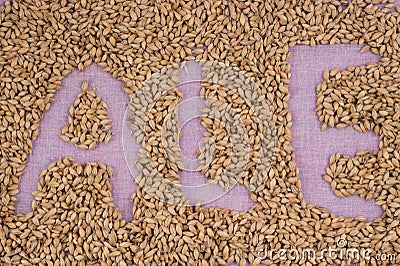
88	122
74	221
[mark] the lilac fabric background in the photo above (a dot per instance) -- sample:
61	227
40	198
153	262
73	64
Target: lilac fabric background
312	146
